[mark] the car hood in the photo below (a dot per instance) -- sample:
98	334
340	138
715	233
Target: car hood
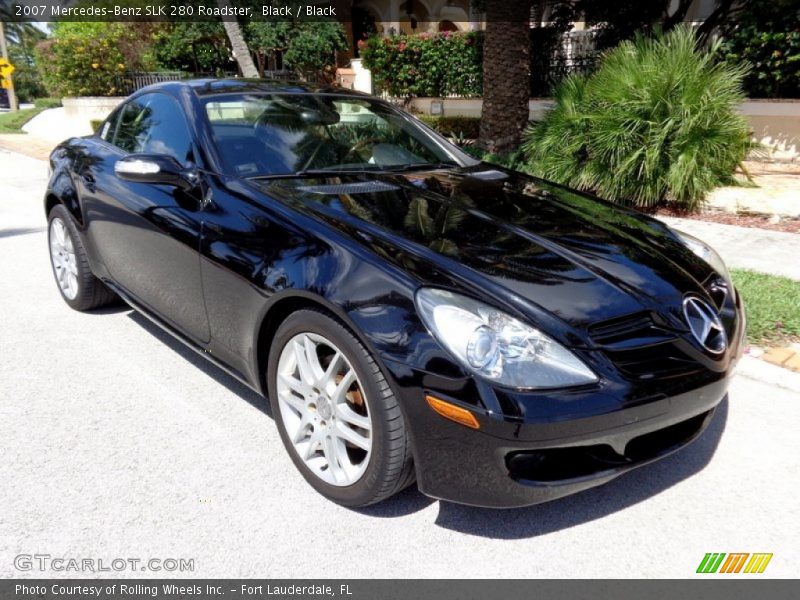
581	259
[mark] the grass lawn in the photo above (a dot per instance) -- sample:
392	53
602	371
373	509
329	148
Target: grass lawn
12	122
772	305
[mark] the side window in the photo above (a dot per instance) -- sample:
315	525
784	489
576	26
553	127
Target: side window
155	124
133	126
109	127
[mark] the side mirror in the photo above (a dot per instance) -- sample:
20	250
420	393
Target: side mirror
155	168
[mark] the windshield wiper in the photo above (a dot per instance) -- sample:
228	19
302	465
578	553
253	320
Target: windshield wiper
314	173
372	170
420	167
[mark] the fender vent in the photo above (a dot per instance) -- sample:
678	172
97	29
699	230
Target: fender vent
358	187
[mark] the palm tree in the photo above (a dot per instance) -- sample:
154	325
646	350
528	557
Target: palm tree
240	50
506	74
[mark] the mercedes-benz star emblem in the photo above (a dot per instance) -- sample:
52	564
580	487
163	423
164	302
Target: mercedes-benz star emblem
705	325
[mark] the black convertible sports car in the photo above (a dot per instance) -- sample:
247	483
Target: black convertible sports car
410	312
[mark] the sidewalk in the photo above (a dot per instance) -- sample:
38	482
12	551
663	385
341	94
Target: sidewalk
28	145
773	252
778	192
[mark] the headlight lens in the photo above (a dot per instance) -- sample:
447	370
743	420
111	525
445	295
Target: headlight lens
497	346
705	252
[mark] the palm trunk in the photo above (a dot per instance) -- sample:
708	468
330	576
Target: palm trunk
240	50
506	74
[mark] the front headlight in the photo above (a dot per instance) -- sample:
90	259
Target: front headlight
497	346
705	252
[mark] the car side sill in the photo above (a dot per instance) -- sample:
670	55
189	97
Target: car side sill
204	352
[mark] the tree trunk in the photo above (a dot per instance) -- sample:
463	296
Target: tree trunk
722	11
506	74
673	20
537	13
240	50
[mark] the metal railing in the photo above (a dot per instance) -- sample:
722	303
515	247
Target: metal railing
129	82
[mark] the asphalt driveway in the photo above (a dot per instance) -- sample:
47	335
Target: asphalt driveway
116	441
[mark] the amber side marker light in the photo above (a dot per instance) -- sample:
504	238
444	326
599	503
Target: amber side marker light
453	412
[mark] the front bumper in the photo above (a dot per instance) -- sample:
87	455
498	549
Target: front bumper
557	443
532	466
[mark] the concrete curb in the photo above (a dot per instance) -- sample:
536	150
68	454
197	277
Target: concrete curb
759	370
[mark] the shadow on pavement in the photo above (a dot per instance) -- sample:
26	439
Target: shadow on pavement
6	233
625	491
407	502
228	381
118	306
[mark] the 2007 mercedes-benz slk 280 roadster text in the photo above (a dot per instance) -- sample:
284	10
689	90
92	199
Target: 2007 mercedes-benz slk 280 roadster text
410	312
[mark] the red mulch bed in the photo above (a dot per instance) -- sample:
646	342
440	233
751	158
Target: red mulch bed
758	221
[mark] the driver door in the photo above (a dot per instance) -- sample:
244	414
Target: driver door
148	235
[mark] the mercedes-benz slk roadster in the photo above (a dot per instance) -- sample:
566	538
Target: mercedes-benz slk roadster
412	314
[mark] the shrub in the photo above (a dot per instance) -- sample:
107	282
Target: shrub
27	81
84	59
307	47
462	127
657	122
95	123
514	160
766	36
426	64
47	102
194	46
774	58
312	46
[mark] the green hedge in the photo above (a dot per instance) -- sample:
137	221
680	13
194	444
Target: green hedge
426	64
85	59
461	127
47	102
773	58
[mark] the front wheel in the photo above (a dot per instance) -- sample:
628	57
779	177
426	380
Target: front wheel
336	413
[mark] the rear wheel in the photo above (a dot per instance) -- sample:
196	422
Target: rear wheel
336	413
76	282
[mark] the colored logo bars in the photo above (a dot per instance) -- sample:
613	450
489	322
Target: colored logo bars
716	562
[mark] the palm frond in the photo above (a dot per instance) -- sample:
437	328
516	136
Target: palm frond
657	122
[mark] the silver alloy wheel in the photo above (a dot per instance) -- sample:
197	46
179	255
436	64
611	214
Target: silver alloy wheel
324	409
62	255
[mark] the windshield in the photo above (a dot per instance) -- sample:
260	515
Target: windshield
260	135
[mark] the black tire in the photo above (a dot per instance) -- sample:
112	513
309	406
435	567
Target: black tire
390	467
91	293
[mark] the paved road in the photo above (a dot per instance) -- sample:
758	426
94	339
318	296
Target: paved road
115	441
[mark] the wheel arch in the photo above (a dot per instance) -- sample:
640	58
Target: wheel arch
50	201
283	304
62	191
